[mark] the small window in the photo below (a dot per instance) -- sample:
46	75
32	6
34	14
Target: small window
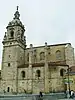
21	36
8	89
8	64
48	53
42	56
9	56
23	74
10	43
38	73
62	72
58	54
12	34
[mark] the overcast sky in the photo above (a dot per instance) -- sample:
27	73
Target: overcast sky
52	21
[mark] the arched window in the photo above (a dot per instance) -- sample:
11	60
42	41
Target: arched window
38	73
12	34
23	74
62	72
8	89
8	64
42	56
58	54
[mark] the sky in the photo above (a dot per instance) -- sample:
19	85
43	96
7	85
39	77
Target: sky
51	21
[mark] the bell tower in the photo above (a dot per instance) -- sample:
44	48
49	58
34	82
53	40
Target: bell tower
15	30
14	44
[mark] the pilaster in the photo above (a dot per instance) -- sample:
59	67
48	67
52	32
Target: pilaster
46	69
30	69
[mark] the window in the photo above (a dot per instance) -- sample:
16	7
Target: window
8	89
62	72
9	56
21	36
8	64
38	73
23	74
42	56
58	54
48	53
10	43
12	34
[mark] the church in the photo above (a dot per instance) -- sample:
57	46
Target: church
33	69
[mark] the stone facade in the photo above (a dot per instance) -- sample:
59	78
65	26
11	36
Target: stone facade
71	78
32	69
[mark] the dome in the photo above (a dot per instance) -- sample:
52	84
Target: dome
15	22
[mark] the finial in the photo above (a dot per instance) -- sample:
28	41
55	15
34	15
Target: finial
17	8
31	45
45	43
17	15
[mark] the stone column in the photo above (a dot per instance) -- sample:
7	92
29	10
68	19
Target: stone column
46	69
30	69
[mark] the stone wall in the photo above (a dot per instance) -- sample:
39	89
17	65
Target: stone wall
69	55
51	53
36	58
